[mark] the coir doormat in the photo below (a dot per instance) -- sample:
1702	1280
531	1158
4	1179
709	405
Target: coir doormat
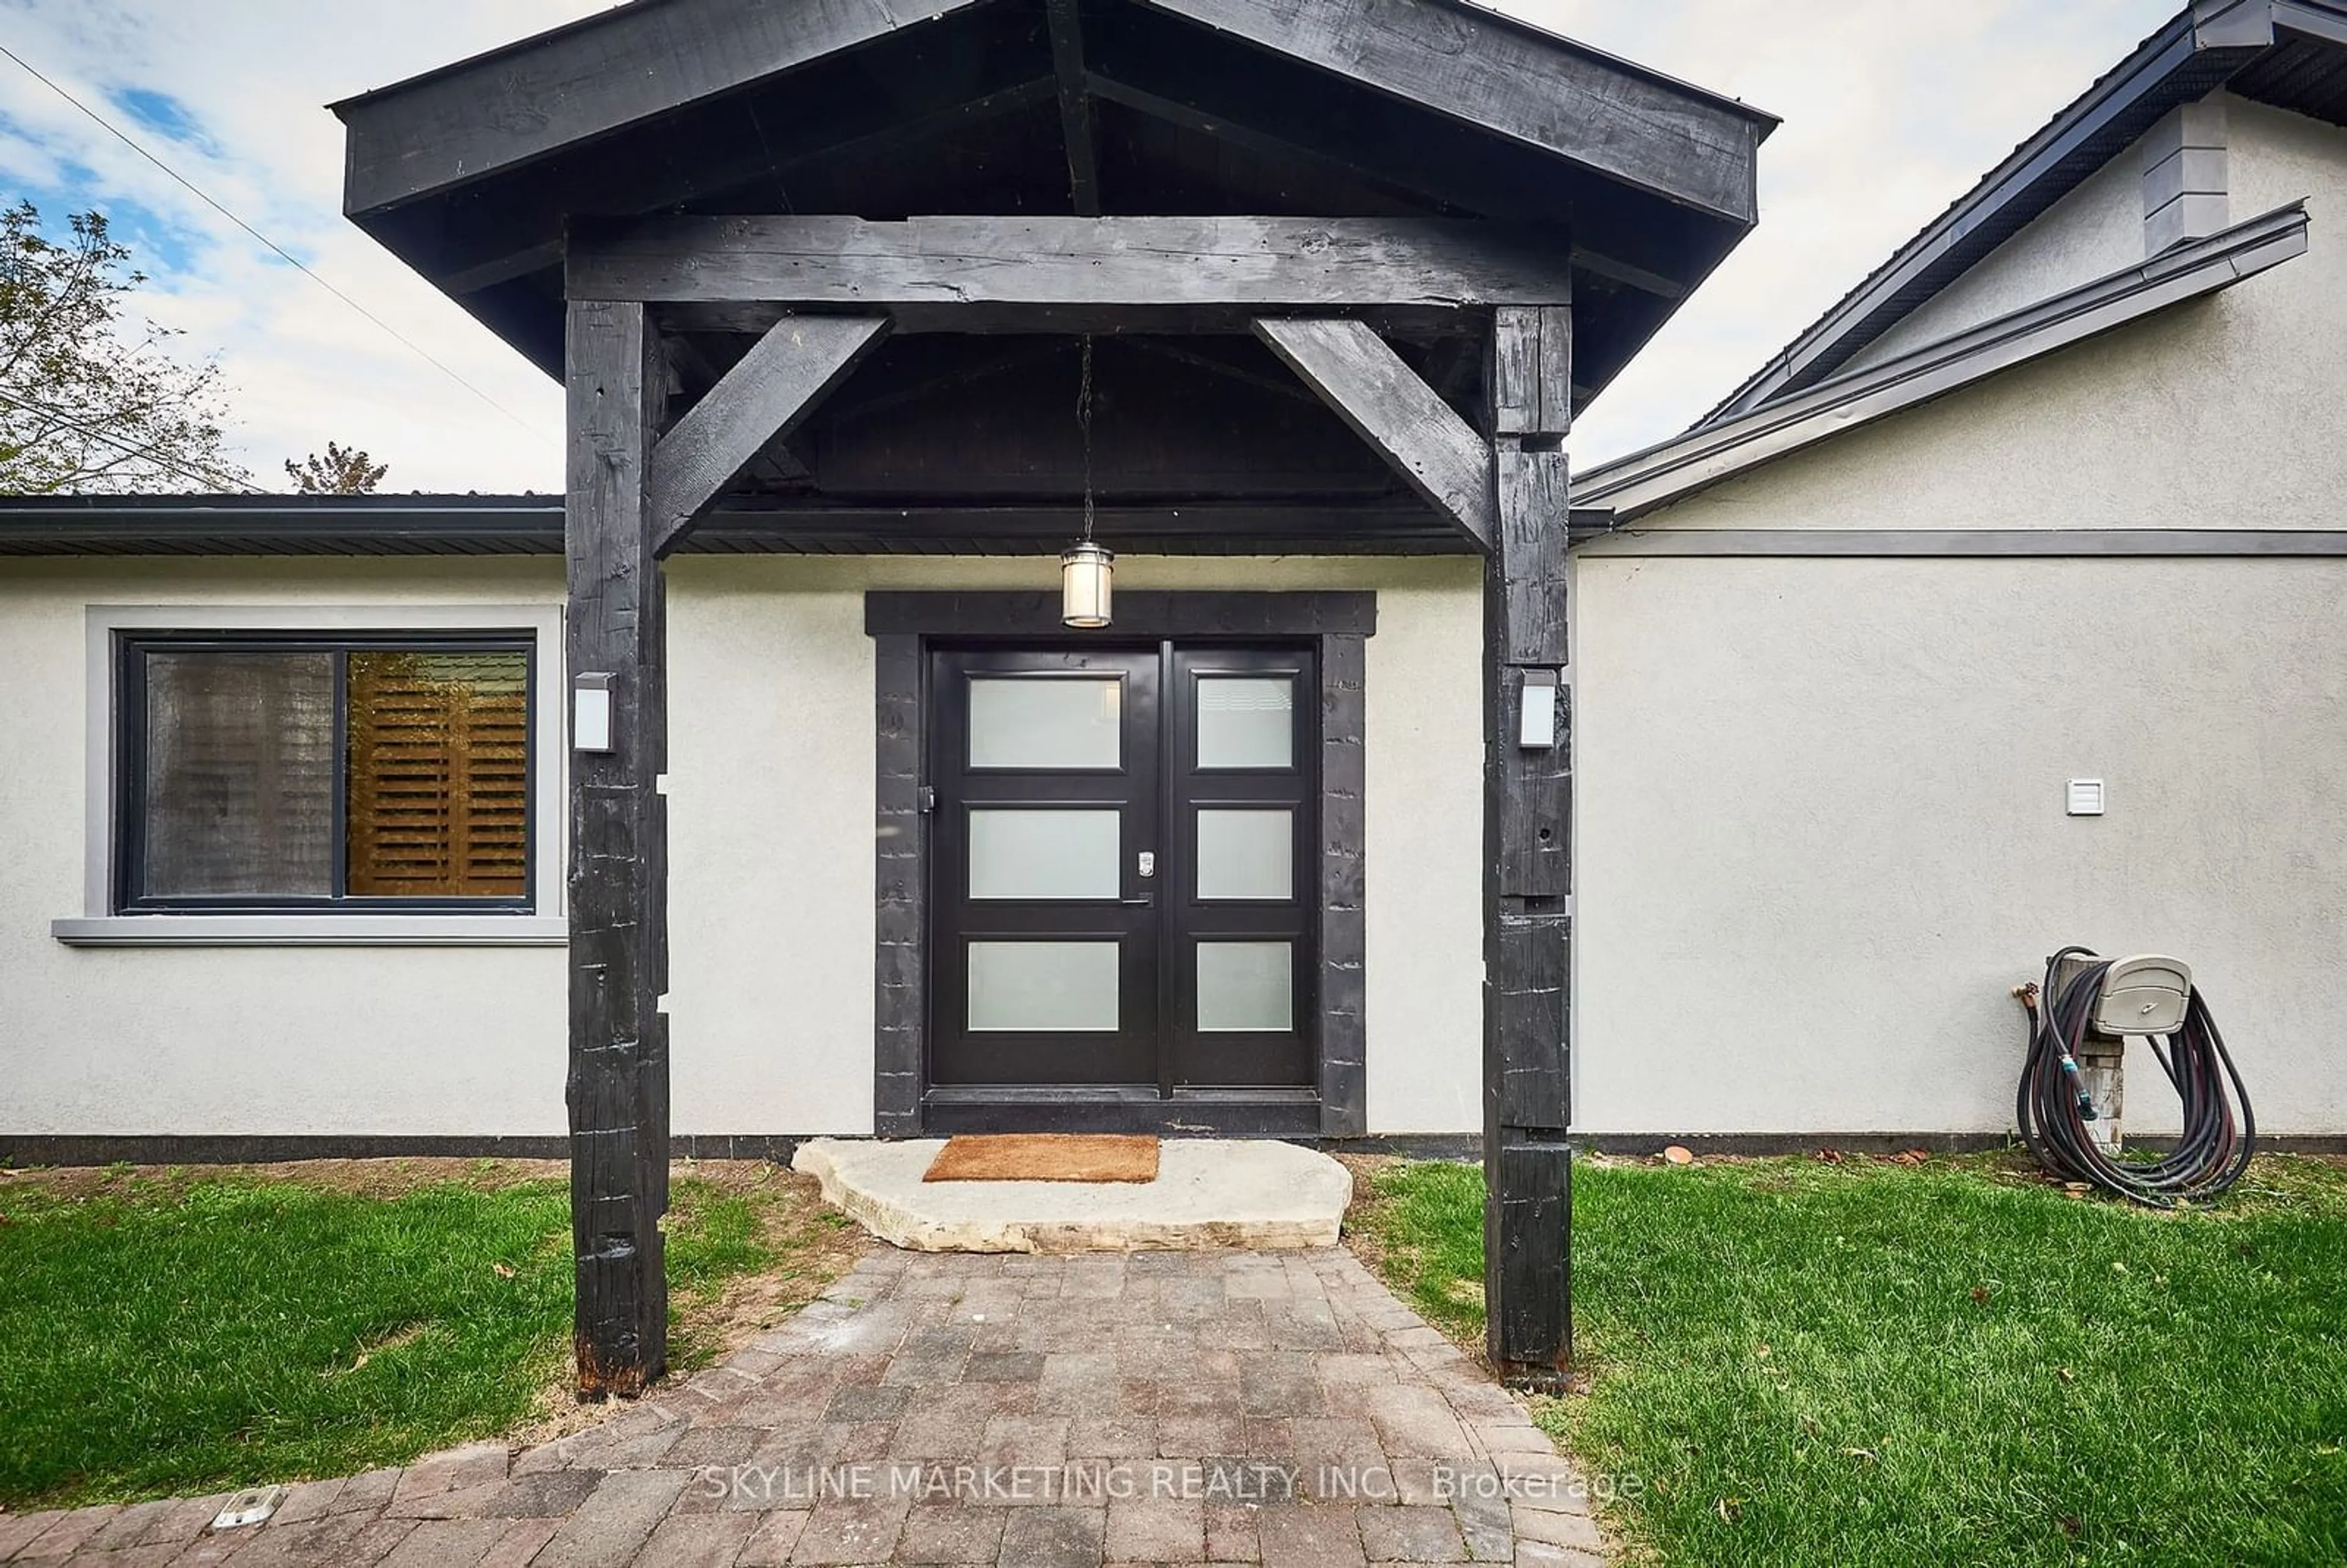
1044	1157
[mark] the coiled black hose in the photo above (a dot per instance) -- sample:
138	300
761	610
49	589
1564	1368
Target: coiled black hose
2214	1147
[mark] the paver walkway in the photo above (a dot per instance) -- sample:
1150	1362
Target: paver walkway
1272	1407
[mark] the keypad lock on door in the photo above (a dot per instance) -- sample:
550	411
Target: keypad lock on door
1148	866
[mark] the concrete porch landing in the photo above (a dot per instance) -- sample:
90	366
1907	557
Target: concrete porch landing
1209	1193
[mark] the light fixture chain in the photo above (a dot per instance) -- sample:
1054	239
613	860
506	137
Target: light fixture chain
1085	568
1084	423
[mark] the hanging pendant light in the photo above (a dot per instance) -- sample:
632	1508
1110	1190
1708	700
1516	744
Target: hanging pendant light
1087	570
1087	574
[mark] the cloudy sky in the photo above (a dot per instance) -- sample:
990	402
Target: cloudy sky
1891	109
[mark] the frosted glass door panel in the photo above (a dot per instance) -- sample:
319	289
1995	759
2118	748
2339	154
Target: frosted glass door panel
1246	722
1247	986
1247	853
1038	854
1043	986
1046	722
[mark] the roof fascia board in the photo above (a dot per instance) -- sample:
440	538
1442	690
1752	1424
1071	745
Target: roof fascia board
1957	543
2232	23
2243	25
1676	469
633	63
107	523
169	527
241	506
1689	147
2323	24
1550	38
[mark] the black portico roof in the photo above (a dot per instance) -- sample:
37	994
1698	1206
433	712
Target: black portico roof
886	109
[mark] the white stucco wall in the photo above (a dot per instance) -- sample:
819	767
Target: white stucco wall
771	951
222	1041
1822	802
772	877
1823	834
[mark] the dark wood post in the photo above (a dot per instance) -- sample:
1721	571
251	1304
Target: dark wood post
1528	884
619	1088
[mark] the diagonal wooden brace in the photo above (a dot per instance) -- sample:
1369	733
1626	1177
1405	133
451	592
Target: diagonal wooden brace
1388	405
778	383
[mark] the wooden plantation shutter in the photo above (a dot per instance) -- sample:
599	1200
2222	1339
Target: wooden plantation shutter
438	802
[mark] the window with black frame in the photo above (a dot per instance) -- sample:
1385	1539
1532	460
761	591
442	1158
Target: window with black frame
380	770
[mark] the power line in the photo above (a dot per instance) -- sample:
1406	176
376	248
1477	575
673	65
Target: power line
219	478
283	254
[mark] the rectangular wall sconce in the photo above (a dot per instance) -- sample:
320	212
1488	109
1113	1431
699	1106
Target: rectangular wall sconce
590	712
1536	730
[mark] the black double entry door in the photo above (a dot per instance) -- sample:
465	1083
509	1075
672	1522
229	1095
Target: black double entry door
1122	872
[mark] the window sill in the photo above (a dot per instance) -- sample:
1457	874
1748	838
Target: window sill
434	930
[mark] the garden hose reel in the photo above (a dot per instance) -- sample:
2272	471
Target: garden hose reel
2070	1100
2142	996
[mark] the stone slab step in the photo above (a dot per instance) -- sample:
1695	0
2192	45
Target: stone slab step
1209	1193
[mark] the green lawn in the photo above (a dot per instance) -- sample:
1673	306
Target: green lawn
178	1334
1953	1363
